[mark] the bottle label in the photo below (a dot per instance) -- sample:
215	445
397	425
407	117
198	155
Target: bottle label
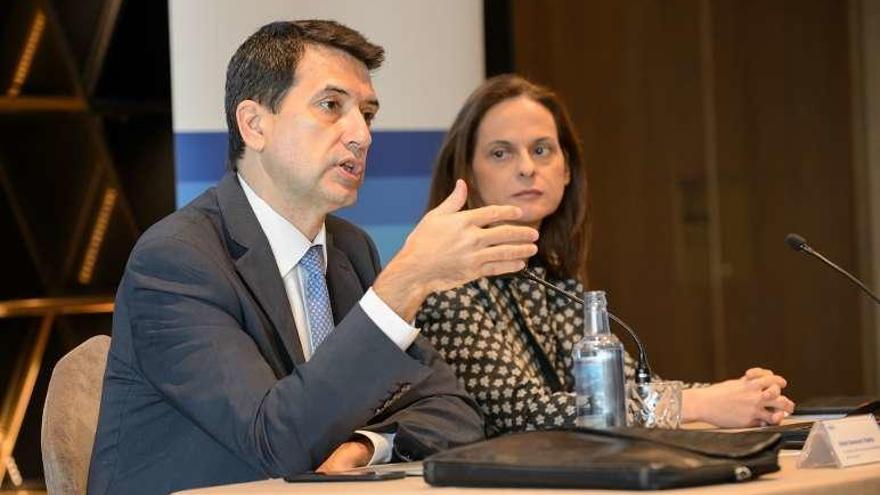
599	389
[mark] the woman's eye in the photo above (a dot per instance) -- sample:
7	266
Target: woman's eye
542	150
499	153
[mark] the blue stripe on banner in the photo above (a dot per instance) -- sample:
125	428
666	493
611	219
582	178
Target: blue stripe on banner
188	190
389	200
403	153
389	238
201	156
380	199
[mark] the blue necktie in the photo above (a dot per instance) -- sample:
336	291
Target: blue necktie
317	298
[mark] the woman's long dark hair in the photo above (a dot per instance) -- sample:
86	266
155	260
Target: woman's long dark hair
565	235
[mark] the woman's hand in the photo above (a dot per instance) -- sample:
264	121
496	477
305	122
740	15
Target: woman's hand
755	399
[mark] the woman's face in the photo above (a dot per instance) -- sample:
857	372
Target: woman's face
518	160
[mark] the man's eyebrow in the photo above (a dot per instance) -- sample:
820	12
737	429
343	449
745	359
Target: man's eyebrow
335	89
340	91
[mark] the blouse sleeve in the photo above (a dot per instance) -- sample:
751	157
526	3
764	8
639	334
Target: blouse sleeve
499	375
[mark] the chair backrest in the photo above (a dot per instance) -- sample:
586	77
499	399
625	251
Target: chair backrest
70	416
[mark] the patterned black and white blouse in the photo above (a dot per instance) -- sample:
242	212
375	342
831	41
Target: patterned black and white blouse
488	331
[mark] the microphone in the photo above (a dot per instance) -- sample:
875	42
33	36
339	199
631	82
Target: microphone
798	243
643	369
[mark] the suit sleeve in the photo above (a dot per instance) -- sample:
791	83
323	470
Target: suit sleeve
188	341
434	415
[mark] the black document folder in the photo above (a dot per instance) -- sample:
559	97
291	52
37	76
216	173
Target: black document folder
843	404
622	458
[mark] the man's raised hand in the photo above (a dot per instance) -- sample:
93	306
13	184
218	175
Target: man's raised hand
450	247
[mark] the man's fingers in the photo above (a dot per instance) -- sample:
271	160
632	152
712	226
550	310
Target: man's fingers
494	268
507	234
456	199
505	252
489	215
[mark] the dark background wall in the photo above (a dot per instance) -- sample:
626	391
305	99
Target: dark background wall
88	128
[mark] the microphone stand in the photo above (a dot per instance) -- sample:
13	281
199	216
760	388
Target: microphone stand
643	369
799	244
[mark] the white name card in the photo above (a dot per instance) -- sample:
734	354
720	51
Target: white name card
842	442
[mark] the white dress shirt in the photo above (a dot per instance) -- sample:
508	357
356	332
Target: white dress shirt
288	247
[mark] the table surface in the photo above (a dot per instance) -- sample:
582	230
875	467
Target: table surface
789	480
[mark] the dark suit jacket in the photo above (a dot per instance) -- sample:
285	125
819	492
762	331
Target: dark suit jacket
206	382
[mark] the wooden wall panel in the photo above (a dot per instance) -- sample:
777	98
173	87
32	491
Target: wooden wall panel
630	74
782	86
776	148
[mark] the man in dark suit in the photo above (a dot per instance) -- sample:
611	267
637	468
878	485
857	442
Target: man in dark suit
237	353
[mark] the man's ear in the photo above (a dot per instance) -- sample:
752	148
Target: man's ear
252	119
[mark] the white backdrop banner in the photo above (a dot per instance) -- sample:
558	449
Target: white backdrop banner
434	59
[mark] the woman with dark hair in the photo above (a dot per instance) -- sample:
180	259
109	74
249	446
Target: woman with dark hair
510	340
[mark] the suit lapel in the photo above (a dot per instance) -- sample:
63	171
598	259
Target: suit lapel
256	264
342	281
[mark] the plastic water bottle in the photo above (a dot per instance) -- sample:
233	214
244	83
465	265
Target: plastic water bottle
598	368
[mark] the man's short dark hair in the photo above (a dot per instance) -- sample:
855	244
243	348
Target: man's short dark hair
263	67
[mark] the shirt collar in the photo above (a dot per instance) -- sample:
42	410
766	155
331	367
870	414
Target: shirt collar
288	244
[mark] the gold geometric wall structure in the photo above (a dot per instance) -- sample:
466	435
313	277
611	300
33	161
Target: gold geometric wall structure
86	164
